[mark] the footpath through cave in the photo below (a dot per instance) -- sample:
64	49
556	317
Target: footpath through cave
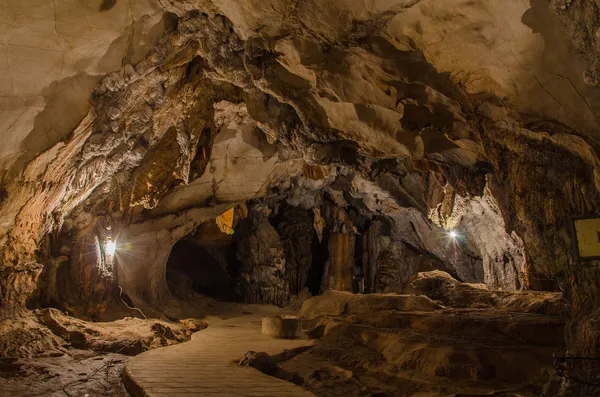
207	365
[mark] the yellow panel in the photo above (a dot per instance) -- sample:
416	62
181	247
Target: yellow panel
225	221
588	242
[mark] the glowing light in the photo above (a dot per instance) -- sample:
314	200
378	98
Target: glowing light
111	247
453	234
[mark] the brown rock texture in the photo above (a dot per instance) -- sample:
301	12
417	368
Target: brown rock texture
263	262
382	344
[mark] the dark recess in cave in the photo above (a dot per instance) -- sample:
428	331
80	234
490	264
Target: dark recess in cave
192	265
320	255
107	5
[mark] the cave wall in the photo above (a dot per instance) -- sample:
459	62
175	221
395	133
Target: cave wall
144	249
546	178
398	263
556	180
391	252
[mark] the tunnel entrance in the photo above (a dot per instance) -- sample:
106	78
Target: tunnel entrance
198	263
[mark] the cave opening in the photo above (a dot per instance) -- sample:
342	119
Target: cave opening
199	263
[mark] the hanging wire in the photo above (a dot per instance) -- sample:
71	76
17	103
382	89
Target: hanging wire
129	307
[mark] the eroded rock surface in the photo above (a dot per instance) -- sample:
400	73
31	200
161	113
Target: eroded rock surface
370	345
441	287
47	352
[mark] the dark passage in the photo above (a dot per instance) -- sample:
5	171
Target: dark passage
198	268
320	255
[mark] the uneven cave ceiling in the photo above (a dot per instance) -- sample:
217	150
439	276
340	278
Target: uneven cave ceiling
176	105
518	51
151	117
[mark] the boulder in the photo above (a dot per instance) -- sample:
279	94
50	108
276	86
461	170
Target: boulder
336	303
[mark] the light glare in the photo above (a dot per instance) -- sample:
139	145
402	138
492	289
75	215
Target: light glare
111	247
453	234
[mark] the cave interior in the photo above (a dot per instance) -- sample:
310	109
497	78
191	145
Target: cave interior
354	198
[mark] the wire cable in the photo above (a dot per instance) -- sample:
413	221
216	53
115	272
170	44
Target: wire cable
129	307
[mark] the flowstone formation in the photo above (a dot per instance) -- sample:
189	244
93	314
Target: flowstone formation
350	138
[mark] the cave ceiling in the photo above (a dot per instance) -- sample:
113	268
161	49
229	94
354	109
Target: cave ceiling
151	117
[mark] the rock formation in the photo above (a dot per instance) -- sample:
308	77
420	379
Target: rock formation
355	134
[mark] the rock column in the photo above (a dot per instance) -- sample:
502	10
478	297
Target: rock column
339	269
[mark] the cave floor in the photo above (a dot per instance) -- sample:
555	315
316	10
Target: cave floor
449	352
207	365
376	345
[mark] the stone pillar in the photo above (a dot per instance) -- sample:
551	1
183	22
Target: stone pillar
371	249
339	269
